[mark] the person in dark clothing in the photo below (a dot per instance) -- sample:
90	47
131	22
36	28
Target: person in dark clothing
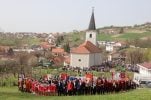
105	86
76	87
102	87
93	88
82	88
117	86
65	88
98	86
79	87
60	88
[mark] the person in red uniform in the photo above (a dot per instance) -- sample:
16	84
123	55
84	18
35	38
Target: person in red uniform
69	87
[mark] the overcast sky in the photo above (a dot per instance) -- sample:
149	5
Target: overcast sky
67	15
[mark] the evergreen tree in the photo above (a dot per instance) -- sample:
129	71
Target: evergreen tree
121	30
67	47
10	52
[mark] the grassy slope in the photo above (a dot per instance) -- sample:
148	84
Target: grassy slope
9	41
125	36
74	39
105	37
11	93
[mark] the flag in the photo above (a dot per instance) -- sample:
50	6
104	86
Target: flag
122	75
64	76
89	77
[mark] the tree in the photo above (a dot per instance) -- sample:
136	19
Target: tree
147	55
67	47
135	56
59	40
23	62
121	30
10	52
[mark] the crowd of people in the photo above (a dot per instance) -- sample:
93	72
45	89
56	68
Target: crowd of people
67	85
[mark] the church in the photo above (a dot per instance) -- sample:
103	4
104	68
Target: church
87	54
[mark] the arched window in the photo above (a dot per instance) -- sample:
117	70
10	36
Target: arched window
90	35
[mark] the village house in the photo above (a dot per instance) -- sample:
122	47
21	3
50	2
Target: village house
144	72
110	46
58	51
145	69
58	60
47	46
3	49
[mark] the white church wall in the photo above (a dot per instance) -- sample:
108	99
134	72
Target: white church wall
91	59
91	36
95	59
98	58
79	60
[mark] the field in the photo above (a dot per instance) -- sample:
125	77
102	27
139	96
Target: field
76	39
14	41
12	93
124	36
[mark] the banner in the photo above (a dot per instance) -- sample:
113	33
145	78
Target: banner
122	75
89	77
64	76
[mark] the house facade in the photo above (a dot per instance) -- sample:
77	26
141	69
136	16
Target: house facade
144	72
145	69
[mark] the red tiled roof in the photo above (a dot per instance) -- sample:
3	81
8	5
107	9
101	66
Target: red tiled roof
86	47
67	60
58	50
45	45
58	60
146	65
4	47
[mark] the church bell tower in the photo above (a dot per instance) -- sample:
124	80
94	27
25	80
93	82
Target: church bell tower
91	32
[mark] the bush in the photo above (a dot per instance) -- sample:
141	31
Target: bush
9	81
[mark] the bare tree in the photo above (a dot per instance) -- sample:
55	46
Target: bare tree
22	60
135	56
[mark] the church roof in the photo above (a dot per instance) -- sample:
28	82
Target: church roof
92	22
86	48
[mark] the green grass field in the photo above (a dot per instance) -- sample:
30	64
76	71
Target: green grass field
124	36
12	93
14	41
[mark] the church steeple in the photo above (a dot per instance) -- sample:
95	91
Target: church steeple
91	32
92	21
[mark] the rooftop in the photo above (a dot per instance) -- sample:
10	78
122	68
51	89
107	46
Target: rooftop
85	48
58	50
146	65
92	22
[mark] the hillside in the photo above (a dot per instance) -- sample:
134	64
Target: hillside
113	33
123	37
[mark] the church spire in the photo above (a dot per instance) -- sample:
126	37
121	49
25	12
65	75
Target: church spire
92	21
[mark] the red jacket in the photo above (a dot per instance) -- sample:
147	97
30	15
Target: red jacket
69	86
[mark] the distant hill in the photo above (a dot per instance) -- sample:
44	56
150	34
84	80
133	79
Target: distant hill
126	29
142	31
124	36
113	33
